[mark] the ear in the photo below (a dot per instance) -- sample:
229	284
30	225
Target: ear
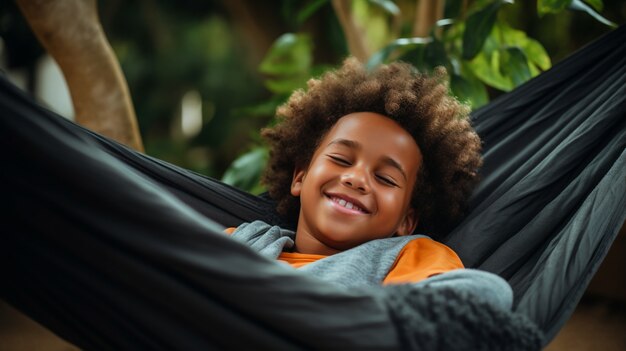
296	181
408	224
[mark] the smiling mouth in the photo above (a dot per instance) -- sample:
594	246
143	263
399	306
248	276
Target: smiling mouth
348	205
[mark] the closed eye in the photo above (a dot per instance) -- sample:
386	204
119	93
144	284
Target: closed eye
340	160
386	180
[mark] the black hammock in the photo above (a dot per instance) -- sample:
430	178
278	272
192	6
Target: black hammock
113	249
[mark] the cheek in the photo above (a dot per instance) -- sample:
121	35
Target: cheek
313	182
319	173
392	202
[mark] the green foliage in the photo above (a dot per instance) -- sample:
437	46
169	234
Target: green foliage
245	171
469	88
478	26
475	43
288	63
589	6
287	66
596	4
513	63
167	51
402	45
478	50
508	58
551	6
309	10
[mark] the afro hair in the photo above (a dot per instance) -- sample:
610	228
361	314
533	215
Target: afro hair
418	102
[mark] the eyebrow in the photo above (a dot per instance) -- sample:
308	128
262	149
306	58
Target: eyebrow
386	159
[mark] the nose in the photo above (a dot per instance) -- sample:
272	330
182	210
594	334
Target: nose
356	179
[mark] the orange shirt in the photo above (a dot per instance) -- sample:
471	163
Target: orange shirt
418	260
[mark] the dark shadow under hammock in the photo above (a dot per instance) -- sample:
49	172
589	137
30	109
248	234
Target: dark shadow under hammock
114	249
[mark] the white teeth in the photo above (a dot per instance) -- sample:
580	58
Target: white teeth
346	204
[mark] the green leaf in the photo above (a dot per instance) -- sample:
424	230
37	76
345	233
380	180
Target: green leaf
286	84
534	71
487	69
452	8
513	64
508	58
581	6
551	6
506	36
245	171
469	90
380	56
537	54
288	63
444	49
398	45
289	54
435	54
309	10
427	56
479	25
416	56
387	5
596	4
264	109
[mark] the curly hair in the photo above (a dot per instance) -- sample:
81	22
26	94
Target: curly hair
418	102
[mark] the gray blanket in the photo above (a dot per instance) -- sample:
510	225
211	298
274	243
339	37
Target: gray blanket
460	310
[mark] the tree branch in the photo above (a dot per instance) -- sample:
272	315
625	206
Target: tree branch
428	12
71	33
356	44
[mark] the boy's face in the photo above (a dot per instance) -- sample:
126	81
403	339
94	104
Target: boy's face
358	185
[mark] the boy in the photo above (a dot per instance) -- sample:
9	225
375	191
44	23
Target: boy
363	156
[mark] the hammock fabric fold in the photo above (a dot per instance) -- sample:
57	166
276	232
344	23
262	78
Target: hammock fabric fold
114	249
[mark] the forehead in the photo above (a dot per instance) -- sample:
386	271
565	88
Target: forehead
378	135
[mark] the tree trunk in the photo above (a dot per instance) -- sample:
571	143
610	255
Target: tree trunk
71	33
428	12
356	44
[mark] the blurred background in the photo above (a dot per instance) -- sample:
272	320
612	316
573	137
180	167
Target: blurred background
206	76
